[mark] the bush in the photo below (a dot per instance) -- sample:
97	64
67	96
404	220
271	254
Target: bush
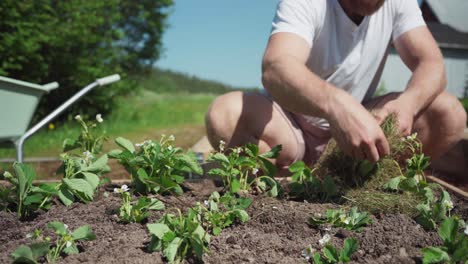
74	42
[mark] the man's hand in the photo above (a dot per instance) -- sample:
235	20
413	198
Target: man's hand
356	131
400	106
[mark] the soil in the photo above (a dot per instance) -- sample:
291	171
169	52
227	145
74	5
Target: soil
276	233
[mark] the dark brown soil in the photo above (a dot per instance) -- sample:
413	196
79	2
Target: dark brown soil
276	233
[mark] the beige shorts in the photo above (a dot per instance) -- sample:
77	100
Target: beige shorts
311	140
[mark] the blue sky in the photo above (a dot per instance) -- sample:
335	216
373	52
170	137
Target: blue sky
218	40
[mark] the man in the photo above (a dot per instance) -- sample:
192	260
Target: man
321	67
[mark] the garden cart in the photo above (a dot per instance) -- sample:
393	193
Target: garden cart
18	102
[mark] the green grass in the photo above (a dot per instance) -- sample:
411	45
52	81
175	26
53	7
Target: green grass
137	117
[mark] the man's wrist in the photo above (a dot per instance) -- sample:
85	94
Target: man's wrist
411	101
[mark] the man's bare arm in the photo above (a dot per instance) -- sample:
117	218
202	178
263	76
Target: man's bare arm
420	53
297	89
290	82
422	56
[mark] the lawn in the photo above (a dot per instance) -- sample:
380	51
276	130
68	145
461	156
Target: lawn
138	117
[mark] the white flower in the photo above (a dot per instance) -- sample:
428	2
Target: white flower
29	235
466	230
221	145
308	252
169	148
238	150
171	138
206	203
78	117
122	189
325	239
69	243
254	171
144	143
66	226
99	118
448	204
88	156
346	221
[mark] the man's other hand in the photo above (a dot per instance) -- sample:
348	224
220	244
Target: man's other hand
403	109
356	131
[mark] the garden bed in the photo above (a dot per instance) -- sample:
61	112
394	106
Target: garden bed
276	233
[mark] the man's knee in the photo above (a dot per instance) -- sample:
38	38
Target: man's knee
448	109
222	116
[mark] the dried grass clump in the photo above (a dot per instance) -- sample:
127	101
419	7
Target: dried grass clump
360	182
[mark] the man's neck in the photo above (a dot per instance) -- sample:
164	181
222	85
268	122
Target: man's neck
346	5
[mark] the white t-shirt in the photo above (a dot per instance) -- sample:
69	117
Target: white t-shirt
349	56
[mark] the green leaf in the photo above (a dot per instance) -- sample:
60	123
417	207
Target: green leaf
155	204
92	179
242	215
235	185
100	165
125	143
220	158
270	168
461	251
297	166
158	229
83	233
350	246
448	230
318	258
65	196
72	249
273	153
81	186
409	184
33	199
58	227
330	253
191	163
434	255
39	249
47	188
170	252
393	183
216	230
114	153
23	254
201	233
25	174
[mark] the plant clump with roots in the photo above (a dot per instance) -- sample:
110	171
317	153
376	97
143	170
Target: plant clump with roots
360	182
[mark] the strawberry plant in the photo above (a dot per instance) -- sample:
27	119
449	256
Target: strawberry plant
81	177
23	195
305	185
353	220
432	212
82	170
136	212
329	254
178	237
155	167
219	212
455	247
239	169
89	139
65	243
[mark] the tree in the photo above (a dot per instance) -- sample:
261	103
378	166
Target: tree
75	41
